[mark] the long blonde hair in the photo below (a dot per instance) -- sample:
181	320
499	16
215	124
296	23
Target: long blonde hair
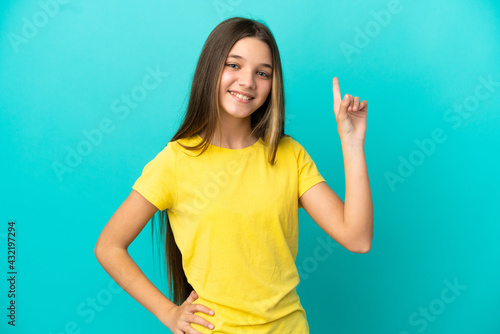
202	114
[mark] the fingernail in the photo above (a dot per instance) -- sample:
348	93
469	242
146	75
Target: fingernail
211	326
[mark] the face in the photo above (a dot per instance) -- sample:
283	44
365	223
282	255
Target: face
247	71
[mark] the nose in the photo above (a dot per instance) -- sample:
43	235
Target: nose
246	79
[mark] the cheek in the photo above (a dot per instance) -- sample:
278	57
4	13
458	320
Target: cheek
223	85
227	78
266	89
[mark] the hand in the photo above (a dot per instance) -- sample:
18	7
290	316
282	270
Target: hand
179	318
350	115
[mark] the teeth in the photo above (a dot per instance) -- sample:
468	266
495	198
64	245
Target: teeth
243	97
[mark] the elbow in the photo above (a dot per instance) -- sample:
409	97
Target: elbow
97	251
361	245
100	250
105	249
361	249
361	241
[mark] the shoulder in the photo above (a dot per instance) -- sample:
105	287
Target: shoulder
175	147
187	141
288	140
169	150
292	144
166	156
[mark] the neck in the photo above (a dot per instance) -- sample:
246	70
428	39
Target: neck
233	135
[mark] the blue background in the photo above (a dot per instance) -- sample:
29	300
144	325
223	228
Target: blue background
436	225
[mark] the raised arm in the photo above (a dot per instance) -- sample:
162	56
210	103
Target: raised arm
350	224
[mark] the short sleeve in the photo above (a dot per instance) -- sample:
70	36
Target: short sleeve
158	181
308	174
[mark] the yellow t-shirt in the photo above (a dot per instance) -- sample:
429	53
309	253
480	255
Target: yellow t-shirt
235	221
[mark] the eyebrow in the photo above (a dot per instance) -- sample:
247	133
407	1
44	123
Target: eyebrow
240	57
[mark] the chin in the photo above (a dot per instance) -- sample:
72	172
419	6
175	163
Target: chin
237	114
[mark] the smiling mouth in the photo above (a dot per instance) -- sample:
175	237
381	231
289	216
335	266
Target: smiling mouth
242	97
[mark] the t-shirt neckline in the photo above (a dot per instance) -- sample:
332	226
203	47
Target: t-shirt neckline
256	144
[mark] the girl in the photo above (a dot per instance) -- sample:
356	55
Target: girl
228	187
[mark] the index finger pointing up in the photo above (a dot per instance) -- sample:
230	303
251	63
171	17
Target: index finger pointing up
336	94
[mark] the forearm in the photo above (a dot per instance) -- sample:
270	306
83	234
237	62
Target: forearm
358	206
126	273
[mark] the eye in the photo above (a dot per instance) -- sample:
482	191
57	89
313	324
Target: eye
265	75
231	65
